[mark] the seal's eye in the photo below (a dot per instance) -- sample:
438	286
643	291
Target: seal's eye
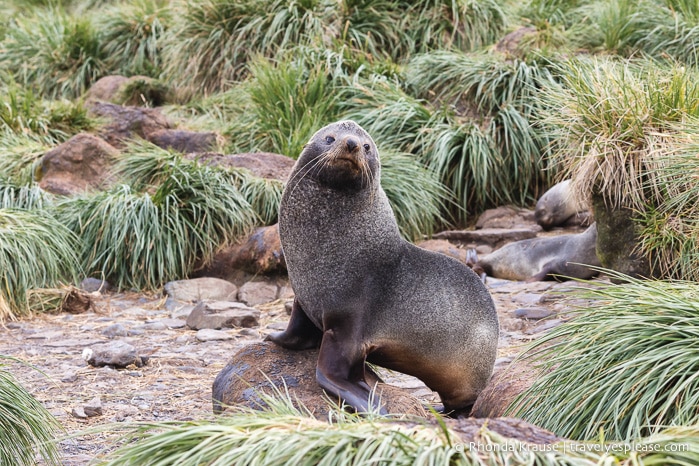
330	139
367	147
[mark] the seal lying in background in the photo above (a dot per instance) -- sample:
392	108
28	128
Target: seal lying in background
364	293
558	205
538	258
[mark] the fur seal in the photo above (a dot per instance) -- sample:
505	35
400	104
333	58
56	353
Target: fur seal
558	205
536	259
364	293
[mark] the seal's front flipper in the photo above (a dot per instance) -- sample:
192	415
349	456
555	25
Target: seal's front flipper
340	371
300	334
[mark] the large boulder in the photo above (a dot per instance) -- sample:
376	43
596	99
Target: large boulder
80	164
260	254
123	123
184	141
503	388
222	314
268	368
509	217
618	239
263	164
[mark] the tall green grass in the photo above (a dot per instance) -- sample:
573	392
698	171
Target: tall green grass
24	112
36	251
212	42
20	155
670	226
145	165
132	35
627	365
285	435
417	197
27	429
608	115
143	240
52	52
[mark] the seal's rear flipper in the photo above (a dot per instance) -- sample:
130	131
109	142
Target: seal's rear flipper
340	371
300	334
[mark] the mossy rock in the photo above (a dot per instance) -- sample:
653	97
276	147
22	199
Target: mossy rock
618	239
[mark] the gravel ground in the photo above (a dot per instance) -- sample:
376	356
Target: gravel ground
175	384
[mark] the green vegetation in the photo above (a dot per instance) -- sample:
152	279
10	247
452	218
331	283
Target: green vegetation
284	435
142	240
627	365
52	52
27	429
36	250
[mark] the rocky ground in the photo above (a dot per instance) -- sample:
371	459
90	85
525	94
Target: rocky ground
181	363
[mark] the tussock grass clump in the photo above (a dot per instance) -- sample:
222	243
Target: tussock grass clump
416	195
611	120
670	227
15	196
56	54
291	102
454	24
393	118
142	240
278	108
471	119
215	39
20	155
145	165
132	35
628	363
27	429
36	251
285	435
24	112
491	149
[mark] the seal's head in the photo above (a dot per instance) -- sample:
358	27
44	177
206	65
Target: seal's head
340	156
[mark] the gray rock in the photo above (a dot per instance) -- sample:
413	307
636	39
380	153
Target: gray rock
508	217
95	284
258	292
533	313
184	141
78	412
222	314
493	237
198	289
115	330
93	407
208	334
116	353
173	323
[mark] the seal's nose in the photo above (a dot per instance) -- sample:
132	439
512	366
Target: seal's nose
351	144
